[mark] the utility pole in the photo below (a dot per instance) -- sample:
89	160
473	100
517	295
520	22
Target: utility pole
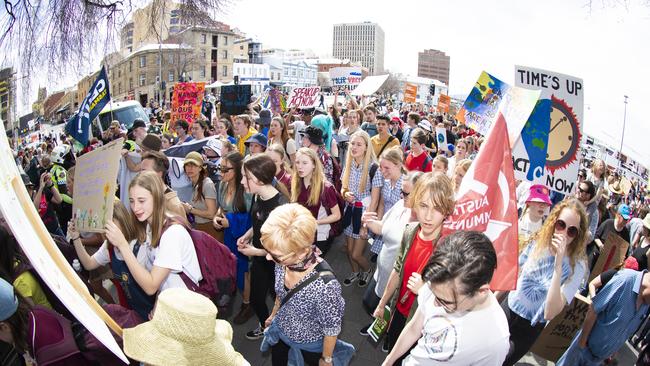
620	151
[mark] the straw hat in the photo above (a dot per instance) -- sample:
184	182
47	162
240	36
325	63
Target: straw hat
616	188
184	331
646	221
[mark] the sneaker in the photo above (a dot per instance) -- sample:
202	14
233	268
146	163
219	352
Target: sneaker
351	278
255	334
384	347
245	313
364	330
363	278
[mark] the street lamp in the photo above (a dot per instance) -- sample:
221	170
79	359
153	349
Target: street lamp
620	151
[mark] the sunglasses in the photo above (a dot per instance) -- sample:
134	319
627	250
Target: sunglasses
571	231
582	190
224	169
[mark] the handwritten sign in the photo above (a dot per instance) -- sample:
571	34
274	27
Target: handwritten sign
303	97
444	101
345	76
559	332
94	186
410	93
187	101
30	232
235	99
611	255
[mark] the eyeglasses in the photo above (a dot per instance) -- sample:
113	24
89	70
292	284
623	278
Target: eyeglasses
560	225
224	169
281	259
449	306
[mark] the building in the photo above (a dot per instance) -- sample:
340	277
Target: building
8	110
256	75
434	64
425	86
362	42
290	71
84	85
254	51
289	55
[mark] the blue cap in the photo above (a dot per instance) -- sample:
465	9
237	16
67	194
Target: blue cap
8	300
257	138
624	210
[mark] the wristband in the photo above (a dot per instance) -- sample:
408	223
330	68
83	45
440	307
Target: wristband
77	238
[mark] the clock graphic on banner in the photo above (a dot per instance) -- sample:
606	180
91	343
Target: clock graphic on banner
563	136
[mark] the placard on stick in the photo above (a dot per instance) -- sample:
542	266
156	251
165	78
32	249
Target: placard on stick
186	101
235	99
303	97
611	255
95	179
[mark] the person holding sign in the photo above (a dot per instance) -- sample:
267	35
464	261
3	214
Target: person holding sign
552	267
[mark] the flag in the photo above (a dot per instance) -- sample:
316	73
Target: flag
486	202
98	96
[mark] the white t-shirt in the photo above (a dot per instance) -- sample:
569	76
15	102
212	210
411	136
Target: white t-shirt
102	257
528	228
478	337
298	128
176	252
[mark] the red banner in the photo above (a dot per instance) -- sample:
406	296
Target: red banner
486	202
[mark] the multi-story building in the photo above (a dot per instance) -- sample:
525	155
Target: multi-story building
254	51
256	75
434	64
425	87
362	42
8	99
290	71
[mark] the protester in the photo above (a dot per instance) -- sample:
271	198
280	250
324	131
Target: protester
418	157
45	198
641	251
457	298
412	121
383	140
440	164
395	128
282	171
278	133
313	139
352	118
598	176
212	151
158	163
184	331
615	226
258	173
310	188
224	128
460	153
552	267
532	217
203	205
182	128
325	124
307	316
587	191
361	189
243	129
370	118
256	144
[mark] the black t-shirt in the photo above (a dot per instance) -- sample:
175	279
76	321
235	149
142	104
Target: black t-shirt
260	211
608	226
640	255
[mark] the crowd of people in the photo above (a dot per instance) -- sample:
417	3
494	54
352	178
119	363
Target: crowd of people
277	189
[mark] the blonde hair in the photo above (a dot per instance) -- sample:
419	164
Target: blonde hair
434	187
442	159
464	164
395	156
122	216
318	179
576	249
290	228
152	183
368	158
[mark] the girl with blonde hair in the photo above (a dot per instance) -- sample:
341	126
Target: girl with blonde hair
279	134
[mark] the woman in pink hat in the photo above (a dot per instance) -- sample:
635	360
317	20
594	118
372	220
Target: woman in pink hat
532	218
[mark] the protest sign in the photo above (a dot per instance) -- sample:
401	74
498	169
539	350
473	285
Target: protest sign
547	152
187	101
369	85
274	100
491	96
235	99
410	93
94	186
486	202
303	97
611	254
444	101
27	227
559	332
441	137
345	76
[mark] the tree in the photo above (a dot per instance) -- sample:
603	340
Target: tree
391	86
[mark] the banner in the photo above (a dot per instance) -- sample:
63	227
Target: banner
95	178
306	97
369	85
548	153
235	99
274	100
486	202
27	227
345	76
444	101
491	96
410	93
97	97
187	100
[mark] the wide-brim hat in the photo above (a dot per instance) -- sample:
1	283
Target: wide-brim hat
184	331
258	138
646	221
616	188
425	125
193	158
215	145
314	134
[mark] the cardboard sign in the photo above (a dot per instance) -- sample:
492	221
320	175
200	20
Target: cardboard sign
441	138
370	85
95	179
30	232
410	93
345	76
444	101
491	96
611	255
186	102
559	332
274	100
548	154
304	97
486	202
235	99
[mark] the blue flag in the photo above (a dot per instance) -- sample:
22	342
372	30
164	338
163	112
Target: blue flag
98	96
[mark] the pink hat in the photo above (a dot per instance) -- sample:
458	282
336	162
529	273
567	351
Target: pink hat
539	193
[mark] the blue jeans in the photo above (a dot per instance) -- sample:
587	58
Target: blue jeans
576	356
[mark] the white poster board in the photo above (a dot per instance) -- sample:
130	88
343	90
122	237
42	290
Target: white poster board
370	85
30	232
303	97
565	94
345	76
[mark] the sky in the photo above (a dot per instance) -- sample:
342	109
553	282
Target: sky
605	44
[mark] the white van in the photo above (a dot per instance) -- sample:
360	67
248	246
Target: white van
125	112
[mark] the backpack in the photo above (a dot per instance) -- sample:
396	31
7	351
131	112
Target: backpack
336	174
336	228
218	264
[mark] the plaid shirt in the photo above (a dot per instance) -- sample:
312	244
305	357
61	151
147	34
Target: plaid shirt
390	195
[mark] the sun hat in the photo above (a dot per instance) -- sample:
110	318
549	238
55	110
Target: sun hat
616	188
425	125
193	157
314	134
151	142
624	210
258	138
215	145
539	193
8	300
184	331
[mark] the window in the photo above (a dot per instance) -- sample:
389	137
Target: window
203	54
202	73
241	47
130	65
170	59
203	38
130	83
143	79
225	54
225	40
170	76
130	49
224	71
286	72
119	72
143	61
173	21
119	88
293	72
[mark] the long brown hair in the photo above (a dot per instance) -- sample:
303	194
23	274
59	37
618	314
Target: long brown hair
284	134
236	160
262	167
152	183
125	220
